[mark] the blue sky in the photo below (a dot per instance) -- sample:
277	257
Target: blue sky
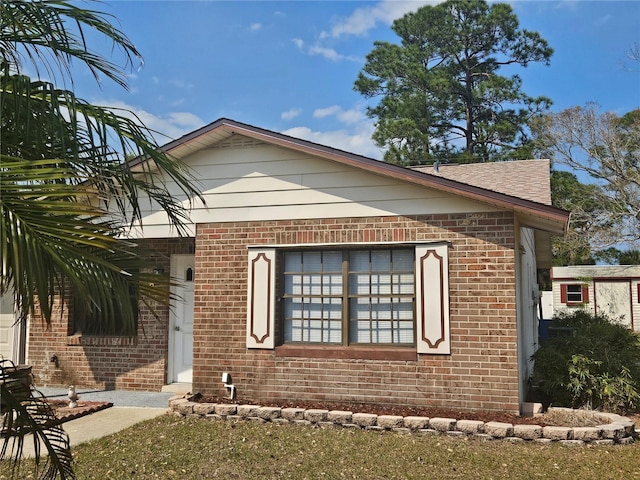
290	66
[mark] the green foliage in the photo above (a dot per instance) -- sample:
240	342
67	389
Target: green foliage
605	149
67	193
441	95
584	203
596	365
614	256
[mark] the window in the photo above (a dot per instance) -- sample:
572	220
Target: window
107	321
346	297
574	294
349	297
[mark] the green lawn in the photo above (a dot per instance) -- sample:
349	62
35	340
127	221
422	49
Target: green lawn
174	447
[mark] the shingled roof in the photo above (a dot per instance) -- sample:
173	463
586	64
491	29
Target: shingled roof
528	179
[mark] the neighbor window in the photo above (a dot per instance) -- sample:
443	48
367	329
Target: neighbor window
574	294
347	297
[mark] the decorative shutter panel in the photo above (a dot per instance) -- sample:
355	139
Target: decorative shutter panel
585	294
261	298
432	299
563	293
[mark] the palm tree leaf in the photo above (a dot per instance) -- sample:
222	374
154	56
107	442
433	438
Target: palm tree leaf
26	412
52	33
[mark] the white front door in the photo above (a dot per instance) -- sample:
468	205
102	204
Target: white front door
613	299
7	327
181	320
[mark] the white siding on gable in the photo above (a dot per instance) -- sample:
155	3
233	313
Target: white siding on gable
266	182
635	304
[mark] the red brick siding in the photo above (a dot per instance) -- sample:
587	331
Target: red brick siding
480	373
107	362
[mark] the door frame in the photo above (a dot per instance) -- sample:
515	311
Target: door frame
171	370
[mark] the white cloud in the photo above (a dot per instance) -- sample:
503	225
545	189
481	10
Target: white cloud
255	26
603	20
290	114
169	126
355	137
328	53
359	23
348	117
326	112
358	142
317	49
365	18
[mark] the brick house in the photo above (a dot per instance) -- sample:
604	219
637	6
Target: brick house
314	274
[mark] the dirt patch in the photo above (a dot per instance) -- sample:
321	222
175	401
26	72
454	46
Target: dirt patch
64	413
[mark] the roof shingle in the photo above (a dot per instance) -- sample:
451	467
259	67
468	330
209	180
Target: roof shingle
528	179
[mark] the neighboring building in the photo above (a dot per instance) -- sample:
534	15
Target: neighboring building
612	290
314	274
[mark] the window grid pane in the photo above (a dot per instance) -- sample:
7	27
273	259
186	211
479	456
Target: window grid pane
381	291
313	297
574	293
380	286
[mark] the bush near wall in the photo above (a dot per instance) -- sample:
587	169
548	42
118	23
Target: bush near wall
594	363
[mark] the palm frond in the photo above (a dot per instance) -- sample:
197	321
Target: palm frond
93	142
26	414
51	34
50	240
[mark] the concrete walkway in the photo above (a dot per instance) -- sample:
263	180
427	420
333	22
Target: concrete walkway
119	398
129	408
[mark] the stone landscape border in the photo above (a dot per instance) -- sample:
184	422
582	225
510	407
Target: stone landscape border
620	431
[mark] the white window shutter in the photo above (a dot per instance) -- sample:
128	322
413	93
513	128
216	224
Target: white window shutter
261	298
432	299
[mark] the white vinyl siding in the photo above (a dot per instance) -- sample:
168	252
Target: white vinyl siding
261	182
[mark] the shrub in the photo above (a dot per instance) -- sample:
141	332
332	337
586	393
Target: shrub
594	364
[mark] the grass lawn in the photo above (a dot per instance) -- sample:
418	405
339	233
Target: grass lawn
174	447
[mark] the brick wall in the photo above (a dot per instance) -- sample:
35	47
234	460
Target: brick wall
480	373
105	361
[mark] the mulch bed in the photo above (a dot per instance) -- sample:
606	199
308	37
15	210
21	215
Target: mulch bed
64	413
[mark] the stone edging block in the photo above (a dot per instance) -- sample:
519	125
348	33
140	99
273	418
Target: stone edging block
620	431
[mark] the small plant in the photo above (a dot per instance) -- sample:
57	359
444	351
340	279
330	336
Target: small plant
590	386
596	365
